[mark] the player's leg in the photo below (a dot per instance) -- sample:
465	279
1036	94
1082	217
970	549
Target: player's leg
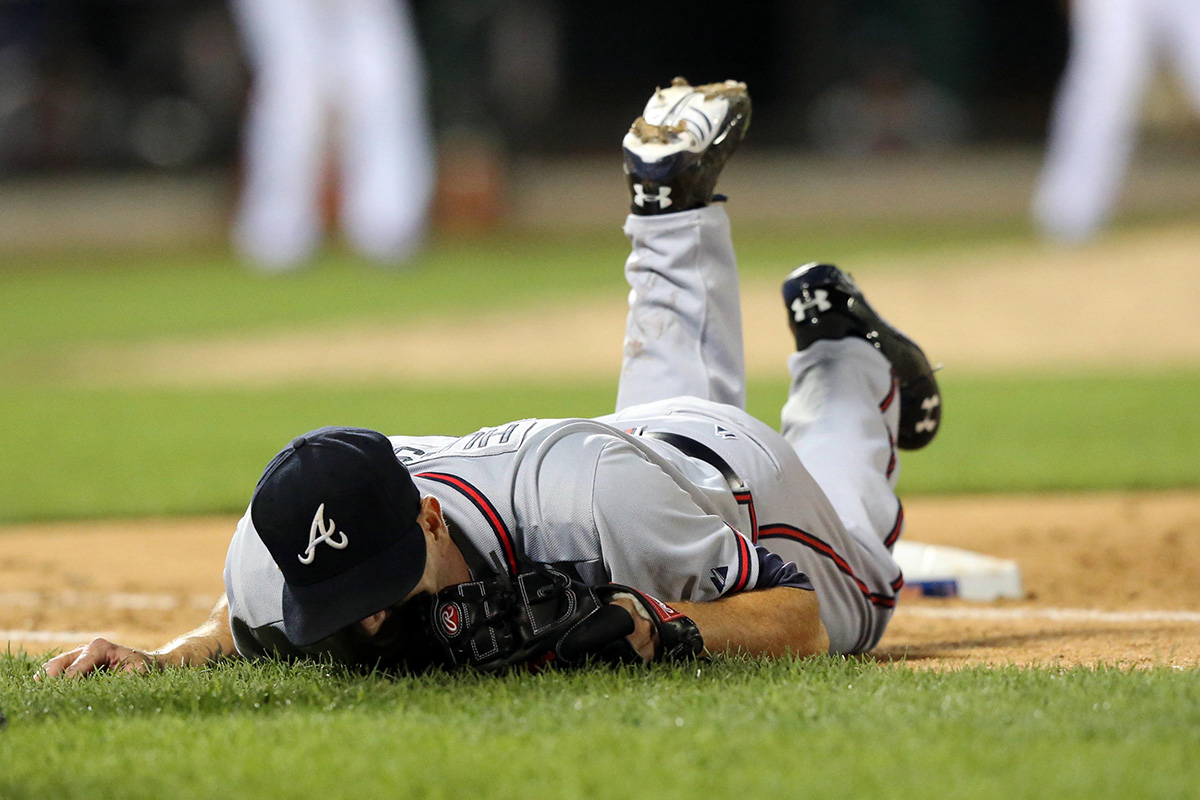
278	220
779	505
1093	126
822	494
841	418
684	330
859	390
1179	26
387	159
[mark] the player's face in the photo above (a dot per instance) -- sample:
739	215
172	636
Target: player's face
371	625
393	635
390	638
444	566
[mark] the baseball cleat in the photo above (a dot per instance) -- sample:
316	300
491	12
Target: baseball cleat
824	303
674	152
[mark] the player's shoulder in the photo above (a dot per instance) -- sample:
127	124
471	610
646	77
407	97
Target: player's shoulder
253	582
583	439
564	458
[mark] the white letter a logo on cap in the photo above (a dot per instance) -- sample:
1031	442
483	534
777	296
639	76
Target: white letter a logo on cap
322	532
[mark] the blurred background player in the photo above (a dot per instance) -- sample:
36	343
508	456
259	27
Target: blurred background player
1114	49
132	111
341	72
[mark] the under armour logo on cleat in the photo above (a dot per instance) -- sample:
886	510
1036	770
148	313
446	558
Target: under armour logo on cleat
928	405
322	532
662	199
820	302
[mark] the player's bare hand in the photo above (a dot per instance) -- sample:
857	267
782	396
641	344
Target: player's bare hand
644	636
99	654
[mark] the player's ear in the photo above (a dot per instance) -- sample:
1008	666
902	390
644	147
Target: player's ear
431	518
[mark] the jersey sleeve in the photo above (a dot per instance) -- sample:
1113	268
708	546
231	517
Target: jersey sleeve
254	588
774	571
655	537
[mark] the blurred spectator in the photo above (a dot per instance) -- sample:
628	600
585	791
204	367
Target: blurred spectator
886	105
495	67
117	83
355	63
471	149
1114	48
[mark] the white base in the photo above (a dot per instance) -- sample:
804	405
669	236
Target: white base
937	571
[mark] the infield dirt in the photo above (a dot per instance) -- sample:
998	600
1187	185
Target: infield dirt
1110	578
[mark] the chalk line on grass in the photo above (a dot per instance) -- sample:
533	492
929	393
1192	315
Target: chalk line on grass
167	602
1051	614
119	600
51	637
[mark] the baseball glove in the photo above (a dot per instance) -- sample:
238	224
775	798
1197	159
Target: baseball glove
543	617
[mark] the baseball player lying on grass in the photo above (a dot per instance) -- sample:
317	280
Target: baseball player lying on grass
678	526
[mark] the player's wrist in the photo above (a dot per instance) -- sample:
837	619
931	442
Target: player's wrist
188	654
161	659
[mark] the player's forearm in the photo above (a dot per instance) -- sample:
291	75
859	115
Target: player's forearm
210	642
771	622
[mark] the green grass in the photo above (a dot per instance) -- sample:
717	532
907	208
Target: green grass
71	451
95	453
828	727
80	453
60	300
822	728
54	303
1040	433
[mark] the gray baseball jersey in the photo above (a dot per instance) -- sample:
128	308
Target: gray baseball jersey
680	493
602	504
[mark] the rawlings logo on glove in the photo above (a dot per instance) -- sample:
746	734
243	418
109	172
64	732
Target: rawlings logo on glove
449	617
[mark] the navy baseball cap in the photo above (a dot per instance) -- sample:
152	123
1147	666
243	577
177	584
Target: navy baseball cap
338	512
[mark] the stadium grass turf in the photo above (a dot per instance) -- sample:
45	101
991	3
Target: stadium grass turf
823	728
87	453
63	299
73	452
826	727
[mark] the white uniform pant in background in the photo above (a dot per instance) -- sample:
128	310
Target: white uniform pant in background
1115	46
341	72
822	493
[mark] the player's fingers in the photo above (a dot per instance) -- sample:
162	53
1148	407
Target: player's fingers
97	654
57	665
93	657
643	637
